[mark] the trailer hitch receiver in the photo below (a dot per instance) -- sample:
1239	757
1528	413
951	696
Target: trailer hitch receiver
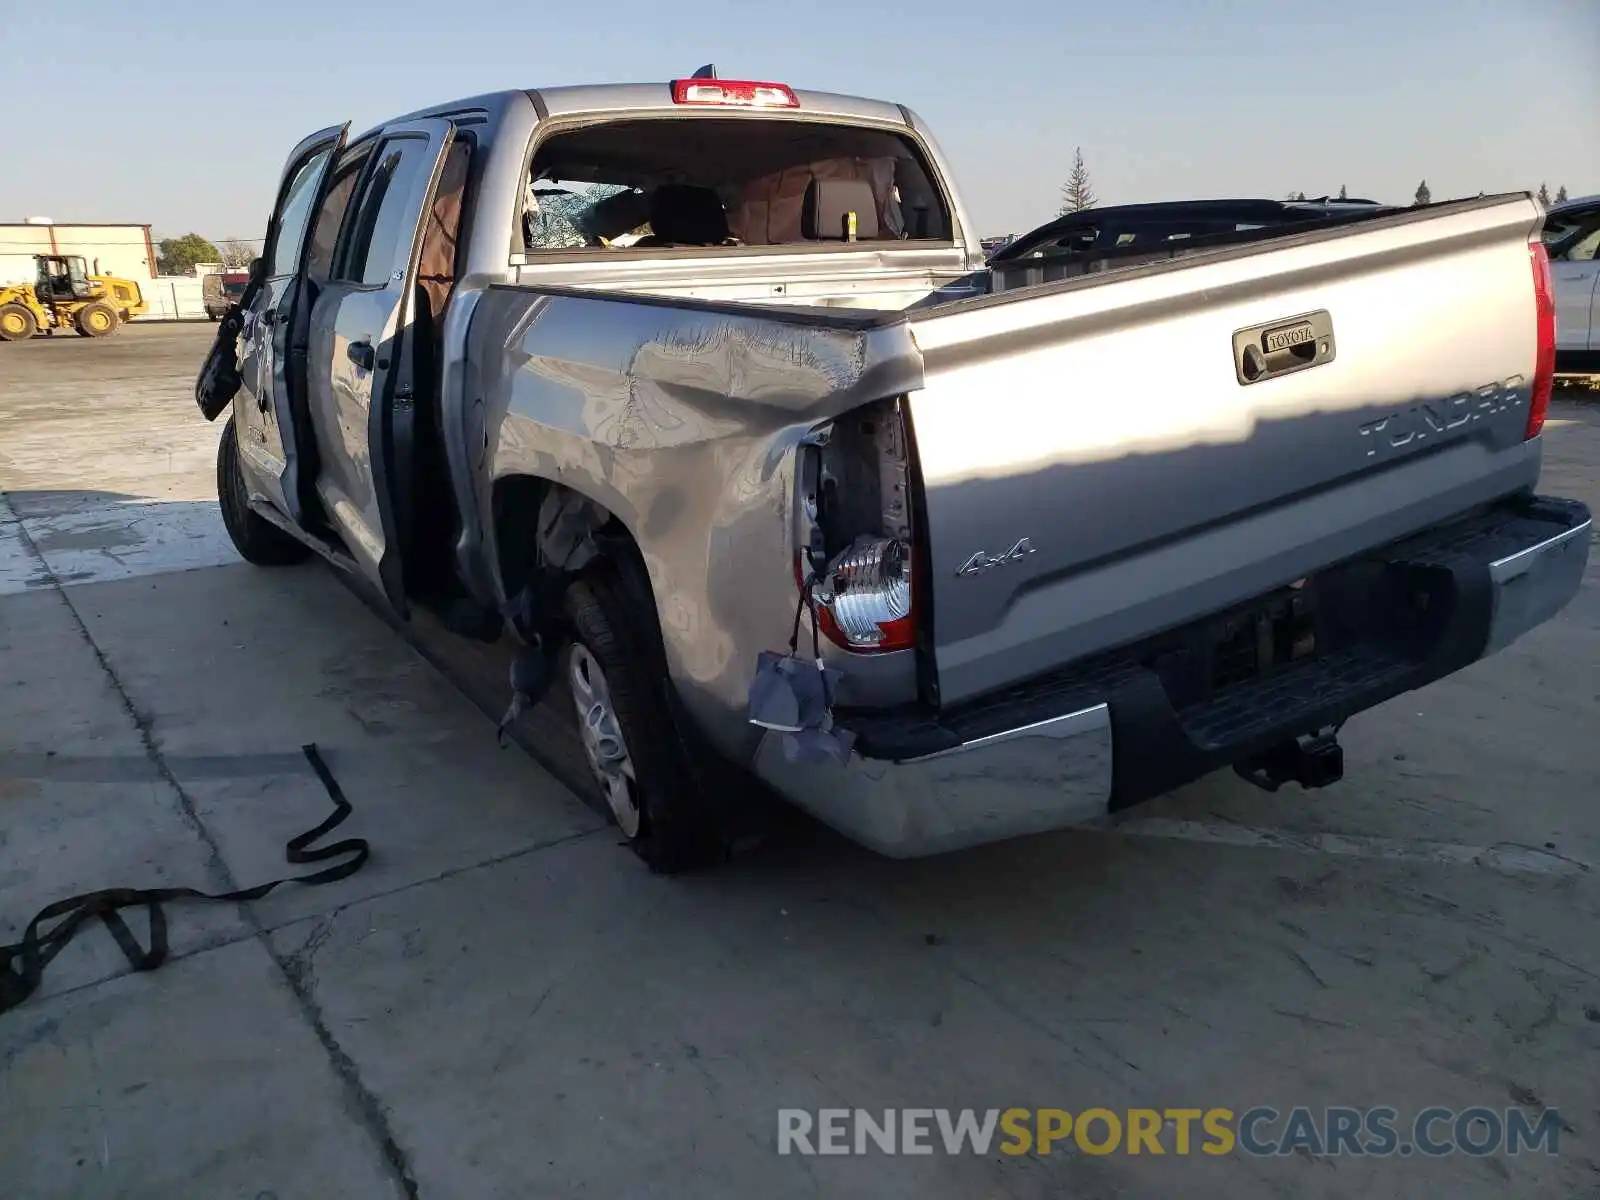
1312	761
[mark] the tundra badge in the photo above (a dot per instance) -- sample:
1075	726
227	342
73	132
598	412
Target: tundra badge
1433	418
983	561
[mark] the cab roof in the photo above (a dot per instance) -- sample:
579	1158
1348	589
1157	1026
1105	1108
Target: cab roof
647	99
631	98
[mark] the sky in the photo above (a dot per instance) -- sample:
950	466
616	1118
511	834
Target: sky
191	106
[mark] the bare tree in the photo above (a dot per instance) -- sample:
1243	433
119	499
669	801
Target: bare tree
236	255
1561	194
1077	193
1544	195
1423	196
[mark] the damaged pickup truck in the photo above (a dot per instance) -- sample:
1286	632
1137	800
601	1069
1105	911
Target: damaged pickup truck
694	386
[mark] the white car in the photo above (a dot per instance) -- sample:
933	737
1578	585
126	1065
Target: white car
1572	236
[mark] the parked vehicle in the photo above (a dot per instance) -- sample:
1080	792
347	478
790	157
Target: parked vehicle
1572	237
1056	549
219	290
65	296
1116	237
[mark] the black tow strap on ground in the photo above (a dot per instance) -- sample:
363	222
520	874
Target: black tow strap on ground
22	964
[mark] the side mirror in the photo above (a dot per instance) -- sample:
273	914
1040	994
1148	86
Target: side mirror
256	268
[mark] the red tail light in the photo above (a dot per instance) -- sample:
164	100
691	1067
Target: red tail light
1544	367
864	597
737	93
870	589
866	602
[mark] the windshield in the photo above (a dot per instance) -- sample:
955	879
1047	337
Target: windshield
563	214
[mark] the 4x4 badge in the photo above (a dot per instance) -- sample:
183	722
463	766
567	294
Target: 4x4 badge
983	561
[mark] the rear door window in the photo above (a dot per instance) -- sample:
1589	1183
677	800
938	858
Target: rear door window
383	224
1580	245
325	229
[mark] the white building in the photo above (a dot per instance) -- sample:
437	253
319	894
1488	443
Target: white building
122	250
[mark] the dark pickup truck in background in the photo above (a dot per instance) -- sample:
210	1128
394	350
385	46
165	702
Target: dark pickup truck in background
1116	237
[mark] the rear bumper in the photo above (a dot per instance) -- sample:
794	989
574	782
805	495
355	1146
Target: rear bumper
1072	746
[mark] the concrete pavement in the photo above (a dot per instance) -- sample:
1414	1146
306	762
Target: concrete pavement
504	1003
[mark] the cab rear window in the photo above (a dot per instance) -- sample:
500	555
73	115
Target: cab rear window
701	182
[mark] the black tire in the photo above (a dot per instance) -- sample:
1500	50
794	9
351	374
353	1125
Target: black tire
17	324
256	539
676	831
96	320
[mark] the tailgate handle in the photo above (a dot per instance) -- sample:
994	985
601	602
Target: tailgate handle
1283	346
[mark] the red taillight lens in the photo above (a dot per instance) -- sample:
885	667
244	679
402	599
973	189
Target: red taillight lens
863	594
865	603
1544	366
870	598
738	93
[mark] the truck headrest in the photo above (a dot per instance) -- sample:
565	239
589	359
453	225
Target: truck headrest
684	215
828	201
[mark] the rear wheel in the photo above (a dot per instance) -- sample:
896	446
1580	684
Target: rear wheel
624	720
16	323
256	539
96	320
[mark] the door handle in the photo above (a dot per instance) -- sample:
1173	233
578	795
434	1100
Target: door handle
361	354
268	317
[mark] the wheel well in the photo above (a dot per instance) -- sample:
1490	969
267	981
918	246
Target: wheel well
516	526
538	523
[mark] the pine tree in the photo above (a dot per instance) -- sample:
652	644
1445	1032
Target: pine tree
1343	195
1295	196
1077	193
1423	196
1561	194
1544	195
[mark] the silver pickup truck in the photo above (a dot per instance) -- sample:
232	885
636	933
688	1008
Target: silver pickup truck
690	387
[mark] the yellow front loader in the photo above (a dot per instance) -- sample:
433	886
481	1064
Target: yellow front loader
66	296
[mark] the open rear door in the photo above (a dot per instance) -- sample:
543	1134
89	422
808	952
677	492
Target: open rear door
364	363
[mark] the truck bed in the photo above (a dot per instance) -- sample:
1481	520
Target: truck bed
1094	446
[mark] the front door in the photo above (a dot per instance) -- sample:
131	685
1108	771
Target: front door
362	360
269	441
1575	274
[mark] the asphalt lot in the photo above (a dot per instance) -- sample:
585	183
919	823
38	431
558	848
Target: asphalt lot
505	1003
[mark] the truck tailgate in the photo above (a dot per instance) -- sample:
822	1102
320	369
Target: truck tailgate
1097	468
